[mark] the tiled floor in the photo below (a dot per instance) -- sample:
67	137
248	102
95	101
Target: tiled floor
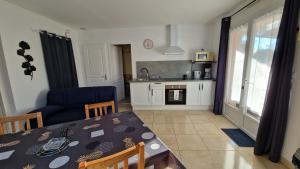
196	138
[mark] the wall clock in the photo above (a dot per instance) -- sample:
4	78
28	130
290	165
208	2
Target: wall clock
148	44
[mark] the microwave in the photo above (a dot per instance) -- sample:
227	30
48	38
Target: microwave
204	56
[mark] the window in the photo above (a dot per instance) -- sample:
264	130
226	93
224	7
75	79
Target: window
263	42
236	58
249	62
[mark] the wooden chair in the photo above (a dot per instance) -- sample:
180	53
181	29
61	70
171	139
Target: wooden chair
19	120
100	107
113	160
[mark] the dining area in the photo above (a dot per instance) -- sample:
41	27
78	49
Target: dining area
105	138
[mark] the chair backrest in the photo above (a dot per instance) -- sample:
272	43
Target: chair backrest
98	108
113	160
12	120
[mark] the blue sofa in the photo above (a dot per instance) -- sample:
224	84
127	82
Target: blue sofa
64	105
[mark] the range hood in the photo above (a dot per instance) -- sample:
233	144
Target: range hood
173	48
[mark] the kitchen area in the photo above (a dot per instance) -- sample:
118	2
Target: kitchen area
180	85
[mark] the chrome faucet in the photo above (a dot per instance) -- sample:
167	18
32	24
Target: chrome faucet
142	71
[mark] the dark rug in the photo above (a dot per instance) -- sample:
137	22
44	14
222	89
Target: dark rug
239	137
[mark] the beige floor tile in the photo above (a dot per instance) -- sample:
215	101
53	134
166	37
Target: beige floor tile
230	160
163	128
143	112
171	112
162	119
183	128
180	119
169	140
222	122
218	143
199	118
148	119
197	159
190	142
208	129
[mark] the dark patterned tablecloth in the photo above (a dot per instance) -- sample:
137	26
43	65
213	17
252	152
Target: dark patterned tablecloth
89	139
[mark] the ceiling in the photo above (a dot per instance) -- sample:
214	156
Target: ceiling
93	14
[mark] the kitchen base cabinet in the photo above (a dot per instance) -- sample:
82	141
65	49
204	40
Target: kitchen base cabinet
157	93
200	93
151	95
140	94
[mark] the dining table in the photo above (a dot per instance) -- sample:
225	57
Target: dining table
88	139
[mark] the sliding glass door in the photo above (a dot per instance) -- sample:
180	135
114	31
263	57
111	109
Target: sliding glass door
251	50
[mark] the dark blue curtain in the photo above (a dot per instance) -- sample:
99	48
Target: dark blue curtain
273	122
59	61
222	59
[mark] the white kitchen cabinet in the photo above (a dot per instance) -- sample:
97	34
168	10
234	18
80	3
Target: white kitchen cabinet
206	93
193	94
157	93
140	94
200	93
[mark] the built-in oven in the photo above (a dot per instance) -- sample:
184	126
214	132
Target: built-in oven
175	94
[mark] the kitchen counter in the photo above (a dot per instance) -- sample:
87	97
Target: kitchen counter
168	80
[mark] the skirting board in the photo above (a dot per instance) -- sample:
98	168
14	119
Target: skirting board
172	107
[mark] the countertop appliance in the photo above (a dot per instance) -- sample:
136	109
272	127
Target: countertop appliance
197	74
204	56
207	73
175	94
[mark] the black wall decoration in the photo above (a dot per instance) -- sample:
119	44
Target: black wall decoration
29	69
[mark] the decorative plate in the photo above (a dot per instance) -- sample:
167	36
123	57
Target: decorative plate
148	44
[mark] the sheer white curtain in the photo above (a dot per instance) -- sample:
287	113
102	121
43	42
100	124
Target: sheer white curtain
236	58
262	45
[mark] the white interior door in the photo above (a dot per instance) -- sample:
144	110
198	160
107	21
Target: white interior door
95	63
251	50
115	64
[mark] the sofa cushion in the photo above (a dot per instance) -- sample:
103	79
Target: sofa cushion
49	110
75	98
66	115
55	97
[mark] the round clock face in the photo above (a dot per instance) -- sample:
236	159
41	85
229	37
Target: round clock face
148	44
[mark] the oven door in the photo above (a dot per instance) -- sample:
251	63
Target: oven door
175	97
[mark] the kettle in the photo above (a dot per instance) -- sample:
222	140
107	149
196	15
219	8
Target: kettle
197	74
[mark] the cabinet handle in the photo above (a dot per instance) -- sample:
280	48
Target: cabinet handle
199	87
149	87
105	77
152	92
202	86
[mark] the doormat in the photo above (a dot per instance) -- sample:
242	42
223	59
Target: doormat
239	137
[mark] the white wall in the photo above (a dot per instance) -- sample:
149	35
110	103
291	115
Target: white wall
191	38
292	138
17	24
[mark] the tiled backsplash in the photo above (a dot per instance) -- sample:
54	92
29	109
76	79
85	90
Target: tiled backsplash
166	69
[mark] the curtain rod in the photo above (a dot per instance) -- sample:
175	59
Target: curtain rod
67	32
250	3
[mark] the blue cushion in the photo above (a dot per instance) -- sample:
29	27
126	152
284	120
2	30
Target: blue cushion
49	110
65	116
